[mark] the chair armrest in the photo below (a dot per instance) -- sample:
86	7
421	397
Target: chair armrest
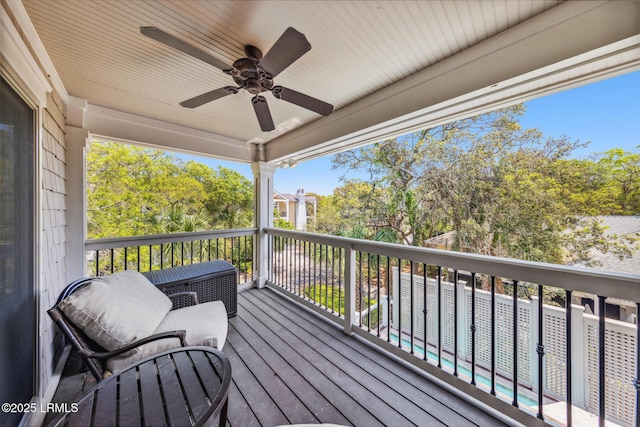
193	295
181	334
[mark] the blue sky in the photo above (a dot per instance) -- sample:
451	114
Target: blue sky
607	113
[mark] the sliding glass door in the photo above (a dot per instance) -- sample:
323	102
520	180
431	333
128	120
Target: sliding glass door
17	299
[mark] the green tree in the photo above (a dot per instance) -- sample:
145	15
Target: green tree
624	173
128	186
178	220
230	199
135	191
504	190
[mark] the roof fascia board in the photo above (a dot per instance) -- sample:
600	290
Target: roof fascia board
476	80
32	37
16	53
109	124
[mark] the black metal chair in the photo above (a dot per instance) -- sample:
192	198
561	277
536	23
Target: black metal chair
91	353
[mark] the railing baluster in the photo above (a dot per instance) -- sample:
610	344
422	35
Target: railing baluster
341	291
359	281
439	305
289	267
515	343
411	306
540	351
315	274
97	262
455	323
326	277
379	309
602	386
234	243
302	269
333	278
138	260
399	303
292	267
368	305
306	275
111	254
126	260
150	258
424	311
493	335
243	261
388	299
568	347
473	328
277	270
636	382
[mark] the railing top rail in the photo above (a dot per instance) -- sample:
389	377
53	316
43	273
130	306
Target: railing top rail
599	282
121	242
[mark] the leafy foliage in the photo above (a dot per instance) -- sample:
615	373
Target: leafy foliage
500	189
135	191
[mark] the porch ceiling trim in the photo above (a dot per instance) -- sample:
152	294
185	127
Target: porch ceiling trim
565	46
111	125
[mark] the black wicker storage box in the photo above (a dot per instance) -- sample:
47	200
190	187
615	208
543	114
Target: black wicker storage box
212	281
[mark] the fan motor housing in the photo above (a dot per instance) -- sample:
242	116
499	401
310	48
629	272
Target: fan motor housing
248	76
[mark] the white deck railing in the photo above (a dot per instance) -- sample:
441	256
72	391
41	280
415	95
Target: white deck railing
144	253
474	339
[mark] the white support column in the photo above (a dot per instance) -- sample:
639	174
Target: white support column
78	139
263	217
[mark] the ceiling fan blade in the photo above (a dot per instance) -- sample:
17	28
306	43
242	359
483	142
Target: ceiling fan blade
262	112
305	101
291	45
182	46
208	97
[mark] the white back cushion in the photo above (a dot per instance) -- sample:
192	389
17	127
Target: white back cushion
118	309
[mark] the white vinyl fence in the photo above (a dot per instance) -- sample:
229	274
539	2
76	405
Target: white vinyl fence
620	345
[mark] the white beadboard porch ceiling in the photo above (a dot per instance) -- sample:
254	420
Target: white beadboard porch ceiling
358	49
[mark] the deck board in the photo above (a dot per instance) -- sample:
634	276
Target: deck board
302	369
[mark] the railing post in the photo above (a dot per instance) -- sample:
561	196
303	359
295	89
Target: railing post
349	289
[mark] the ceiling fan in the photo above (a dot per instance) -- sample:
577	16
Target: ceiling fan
255	73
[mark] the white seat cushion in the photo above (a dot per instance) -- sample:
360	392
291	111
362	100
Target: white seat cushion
118	309
206	324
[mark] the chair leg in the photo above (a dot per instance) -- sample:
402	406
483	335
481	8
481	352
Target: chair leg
223	413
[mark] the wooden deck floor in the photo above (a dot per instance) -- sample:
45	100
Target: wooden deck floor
290	367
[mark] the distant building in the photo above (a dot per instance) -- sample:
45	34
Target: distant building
615	225
621	226
294	208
